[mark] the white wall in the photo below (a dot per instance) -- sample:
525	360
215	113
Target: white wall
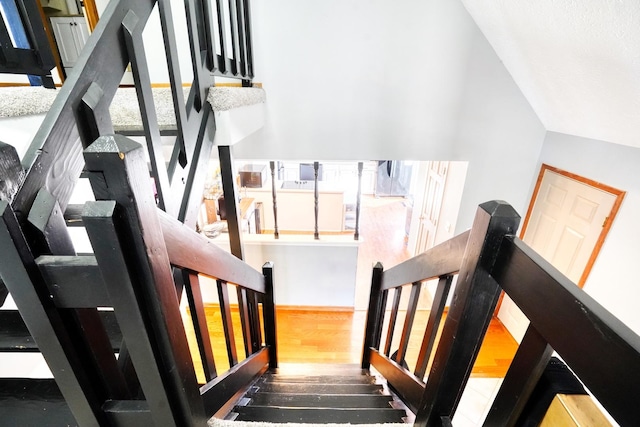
498	134
408	80
348	80
612	281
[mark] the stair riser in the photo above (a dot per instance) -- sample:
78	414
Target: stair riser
321	401
317	415
299	388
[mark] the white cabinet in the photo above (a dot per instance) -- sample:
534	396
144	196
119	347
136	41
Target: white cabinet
71	34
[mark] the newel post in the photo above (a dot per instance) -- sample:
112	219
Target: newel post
269	307
471	309
373	327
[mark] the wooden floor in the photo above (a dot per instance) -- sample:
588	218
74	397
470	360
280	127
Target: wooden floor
321	336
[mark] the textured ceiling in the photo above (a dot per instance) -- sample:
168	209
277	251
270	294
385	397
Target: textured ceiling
576	61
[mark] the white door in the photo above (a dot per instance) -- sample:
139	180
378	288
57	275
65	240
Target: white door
564	227
71	35
432	202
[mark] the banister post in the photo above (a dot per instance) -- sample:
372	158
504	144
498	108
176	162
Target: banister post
316	196
272	166
269	308
356	233
469	315
119	174
373	328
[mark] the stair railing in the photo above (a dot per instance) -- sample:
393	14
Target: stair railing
136	246
71	335
24	47
489	259
316	199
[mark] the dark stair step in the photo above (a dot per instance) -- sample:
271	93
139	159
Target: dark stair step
321	400
301	388
276	414
14	335
329	369
33	402
319	379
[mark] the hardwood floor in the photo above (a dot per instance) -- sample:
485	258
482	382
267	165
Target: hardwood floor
321	336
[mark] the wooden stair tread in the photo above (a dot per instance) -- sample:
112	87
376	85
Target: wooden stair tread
307	388
319	415
321	400
319	379
33	402
319	369
14	335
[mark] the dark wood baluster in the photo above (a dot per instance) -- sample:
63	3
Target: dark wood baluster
392	320
524	372
171	53
435	317
201	76
137	57
227	324
230	200
249	45
210	35
408	321
233	26
275	202
356	234
199	320
316	166
254	321
241	60
225	63
243	306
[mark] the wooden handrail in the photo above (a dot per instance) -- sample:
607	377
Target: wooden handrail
602	351
188	249
440	260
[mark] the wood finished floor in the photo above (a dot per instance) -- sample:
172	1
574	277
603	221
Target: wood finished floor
320	336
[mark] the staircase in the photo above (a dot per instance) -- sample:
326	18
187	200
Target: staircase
319	393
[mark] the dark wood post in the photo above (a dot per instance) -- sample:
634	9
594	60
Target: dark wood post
316	166
373	328
269	307
471	310
118	172
356	234
275	202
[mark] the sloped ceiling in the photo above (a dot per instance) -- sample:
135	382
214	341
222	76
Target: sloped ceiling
576	61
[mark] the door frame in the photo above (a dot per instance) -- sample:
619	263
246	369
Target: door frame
619	194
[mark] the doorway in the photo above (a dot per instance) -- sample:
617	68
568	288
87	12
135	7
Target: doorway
567	221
